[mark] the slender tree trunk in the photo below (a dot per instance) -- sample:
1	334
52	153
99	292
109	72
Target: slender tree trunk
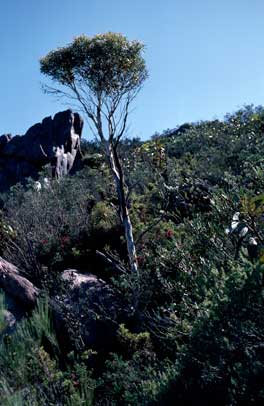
118	175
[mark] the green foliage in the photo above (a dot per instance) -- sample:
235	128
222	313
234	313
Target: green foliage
133	342
223	362
30	375
44	230
190	324
108	63
103	217
136	381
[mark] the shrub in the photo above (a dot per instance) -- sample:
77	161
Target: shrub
30	372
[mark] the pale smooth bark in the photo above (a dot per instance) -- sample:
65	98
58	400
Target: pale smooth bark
118	175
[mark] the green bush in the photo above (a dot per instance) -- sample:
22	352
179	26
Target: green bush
30	371
189	328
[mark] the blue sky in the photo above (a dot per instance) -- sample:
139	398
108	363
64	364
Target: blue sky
205	57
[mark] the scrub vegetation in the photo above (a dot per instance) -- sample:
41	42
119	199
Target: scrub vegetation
189	329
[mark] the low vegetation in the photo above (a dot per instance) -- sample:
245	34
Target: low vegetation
193	327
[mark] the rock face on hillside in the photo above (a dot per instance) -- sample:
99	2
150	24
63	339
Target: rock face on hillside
54	140
75	313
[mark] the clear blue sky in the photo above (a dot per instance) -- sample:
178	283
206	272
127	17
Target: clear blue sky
205	57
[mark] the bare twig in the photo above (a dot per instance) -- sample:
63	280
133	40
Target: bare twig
110	260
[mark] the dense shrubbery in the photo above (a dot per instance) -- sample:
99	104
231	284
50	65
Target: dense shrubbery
194	330
31	376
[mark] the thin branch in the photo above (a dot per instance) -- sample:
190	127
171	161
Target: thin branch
110	260
119	136
85	107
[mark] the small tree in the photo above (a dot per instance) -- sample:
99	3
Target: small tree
103	74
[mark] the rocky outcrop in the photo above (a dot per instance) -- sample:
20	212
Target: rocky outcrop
87	311
16	286
54	141
78	314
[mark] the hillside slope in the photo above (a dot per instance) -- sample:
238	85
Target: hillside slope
188	329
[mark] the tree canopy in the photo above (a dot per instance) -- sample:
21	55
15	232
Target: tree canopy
106	62
103	72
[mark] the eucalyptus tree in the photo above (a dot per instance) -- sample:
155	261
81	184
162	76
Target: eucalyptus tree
103	74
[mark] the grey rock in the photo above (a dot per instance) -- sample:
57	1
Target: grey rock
15	285
14	311
87	312
54	141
